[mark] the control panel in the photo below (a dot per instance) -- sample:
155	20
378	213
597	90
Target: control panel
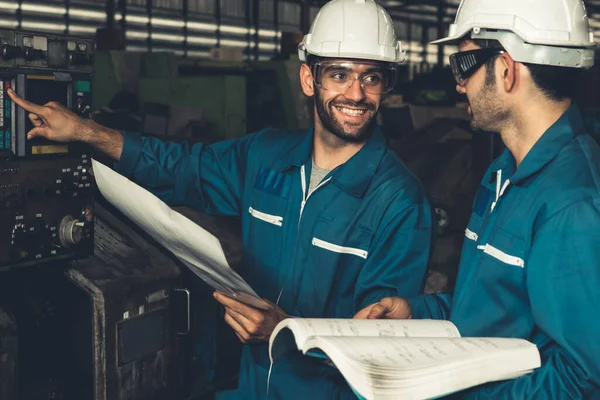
46	190
46	210
41	50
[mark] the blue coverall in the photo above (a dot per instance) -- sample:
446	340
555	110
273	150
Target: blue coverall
530	265
365	233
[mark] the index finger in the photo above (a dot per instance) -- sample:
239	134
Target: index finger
26	105
235	305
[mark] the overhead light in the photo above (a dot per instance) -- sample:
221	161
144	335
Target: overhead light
234	29
168	37
167	50
202	40
199	54
99	15
168	22
136	48
267	46
136	19
201	26
82	29
8	24
9	6
137	35
43	9
45	26
233	43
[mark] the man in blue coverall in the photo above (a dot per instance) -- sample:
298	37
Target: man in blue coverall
530	265
332	220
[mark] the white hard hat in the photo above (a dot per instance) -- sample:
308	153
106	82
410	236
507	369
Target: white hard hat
360	29
551	32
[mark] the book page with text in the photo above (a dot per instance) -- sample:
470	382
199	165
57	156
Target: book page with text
304	328
417	353
374	327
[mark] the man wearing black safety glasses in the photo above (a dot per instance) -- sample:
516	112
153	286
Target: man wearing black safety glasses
530	265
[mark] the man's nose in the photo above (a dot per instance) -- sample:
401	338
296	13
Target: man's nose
355	92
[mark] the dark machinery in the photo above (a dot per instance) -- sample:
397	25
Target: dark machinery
98	314
46	192
106	327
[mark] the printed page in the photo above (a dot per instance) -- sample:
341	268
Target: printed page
304	328
419	368
375	327
197	249
410	354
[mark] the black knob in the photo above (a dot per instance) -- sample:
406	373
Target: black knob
80	58
9	52
81	107
32	54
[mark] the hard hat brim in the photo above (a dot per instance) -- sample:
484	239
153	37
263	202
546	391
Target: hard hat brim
447	40
452	39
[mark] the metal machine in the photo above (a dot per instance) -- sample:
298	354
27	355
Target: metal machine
46	192
106	327
90	309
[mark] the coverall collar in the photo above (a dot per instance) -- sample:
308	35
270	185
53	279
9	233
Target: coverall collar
355	174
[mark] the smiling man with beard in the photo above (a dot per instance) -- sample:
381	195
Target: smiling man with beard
331	219
348	114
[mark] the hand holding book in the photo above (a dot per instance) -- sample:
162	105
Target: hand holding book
386	308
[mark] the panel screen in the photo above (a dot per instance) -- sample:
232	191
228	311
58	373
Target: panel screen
42	90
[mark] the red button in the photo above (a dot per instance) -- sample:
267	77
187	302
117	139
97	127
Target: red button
7	84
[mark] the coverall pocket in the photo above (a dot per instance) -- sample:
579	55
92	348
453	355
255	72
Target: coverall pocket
495	283
268	218
263	237
505	248
338	251
502	264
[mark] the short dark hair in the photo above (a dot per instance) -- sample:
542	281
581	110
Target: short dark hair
557	83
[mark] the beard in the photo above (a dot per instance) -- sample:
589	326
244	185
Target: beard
356	133
487	110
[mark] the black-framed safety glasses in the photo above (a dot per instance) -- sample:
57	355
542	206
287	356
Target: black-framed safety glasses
465	63
339	76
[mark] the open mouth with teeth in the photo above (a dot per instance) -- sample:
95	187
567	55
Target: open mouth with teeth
350	111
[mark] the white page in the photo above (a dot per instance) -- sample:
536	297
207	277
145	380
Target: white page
419	368
198	249
399	354
307	327
376	327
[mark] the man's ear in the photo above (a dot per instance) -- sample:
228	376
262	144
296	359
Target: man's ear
509	72
307	81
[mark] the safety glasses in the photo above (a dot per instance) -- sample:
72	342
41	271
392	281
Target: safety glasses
464	64
338	77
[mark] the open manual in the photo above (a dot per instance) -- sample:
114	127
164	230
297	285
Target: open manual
195	247
404	359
